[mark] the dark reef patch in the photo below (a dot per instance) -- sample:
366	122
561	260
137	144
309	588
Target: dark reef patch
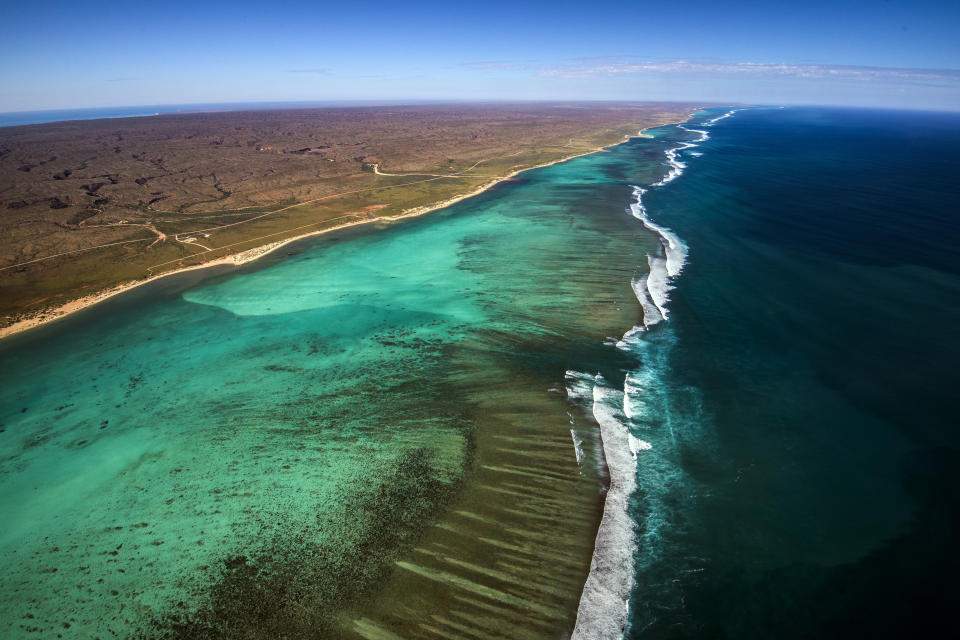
297	587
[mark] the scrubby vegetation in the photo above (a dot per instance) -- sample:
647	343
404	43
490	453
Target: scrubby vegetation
86	205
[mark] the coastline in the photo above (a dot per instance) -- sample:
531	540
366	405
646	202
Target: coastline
604	609
502	461
249	255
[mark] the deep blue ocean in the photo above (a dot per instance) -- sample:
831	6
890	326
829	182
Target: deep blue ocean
804	474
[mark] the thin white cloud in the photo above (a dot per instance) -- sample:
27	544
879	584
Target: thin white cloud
755	69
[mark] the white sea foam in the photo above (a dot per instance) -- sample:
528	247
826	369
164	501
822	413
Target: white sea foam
639	389
604	604
703	134
603	609
713	121
674	249
637	209
637	445
673	155
658	285
676	165
579	387
632	390
651	312
627	408
577	447
632	338
652	289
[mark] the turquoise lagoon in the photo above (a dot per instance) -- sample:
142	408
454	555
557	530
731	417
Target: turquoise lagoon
365	434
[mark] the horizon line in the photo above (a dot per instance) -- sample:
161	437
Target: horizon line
191	108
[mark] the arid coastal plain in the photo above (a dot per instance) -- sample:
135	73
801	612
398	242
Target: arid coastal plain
92	207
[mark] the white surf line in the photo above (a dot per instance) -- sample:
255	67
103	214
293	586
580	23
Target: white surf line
604	603
673	156
577	449
703	133
713	121
603	613
652	289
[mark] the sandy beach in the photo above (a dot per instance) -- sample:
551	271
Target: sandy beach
249	255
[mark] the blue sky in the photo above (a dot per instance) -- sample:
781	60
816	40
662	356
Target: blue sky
59	55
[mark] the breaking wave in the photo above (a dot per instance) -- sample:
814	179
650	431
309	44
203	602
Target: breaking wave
673	156
604	604
653	288
713	121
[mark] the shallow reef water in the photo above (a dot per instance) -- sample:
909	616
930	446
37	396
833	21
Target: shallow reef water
366	434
